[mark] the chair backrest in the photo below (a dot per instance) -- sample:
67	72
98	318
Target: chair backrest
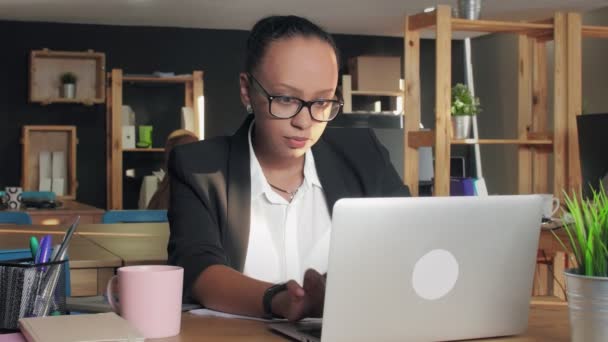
14	254
15	217
133	216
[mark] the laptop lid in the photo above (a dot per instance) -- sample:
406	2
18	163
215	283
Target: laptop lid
435	268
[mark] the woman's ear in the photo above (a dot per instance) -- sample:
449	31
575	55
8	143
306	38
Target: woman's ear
244	91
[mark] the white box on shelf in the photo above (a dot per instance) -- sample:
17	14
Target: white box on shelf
58	173
59	165
58	186
128	137
44	171
128	116
188	119
148	188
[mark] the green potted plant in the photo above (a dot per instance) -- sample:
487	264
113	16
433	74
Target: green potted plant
464	106
68	82
586	225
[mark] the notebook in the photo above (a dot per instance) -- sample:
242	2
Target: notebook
76	328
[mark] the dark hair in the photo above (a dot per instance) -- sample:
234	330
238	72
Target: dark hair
274	28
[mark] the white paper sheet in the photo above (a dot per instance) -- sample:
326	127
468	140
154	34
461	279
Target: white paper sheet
213	313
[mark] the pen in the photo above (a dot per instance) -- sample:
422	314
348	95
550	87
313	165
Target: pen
66	241
49	290
34	247
45	249
55	251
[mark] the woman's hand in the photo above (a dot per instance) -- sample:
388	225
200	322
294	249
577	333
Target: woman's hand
300	302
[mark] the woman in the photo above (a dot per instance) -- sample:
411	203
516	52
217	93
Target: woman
160	199
253	210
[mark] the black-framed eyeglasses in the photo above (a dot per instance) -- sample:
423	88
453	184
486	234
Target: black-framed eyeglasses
286	107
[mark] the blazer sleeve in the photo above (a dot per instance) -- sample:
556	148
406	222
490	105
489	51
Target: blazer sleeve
391	184
195	239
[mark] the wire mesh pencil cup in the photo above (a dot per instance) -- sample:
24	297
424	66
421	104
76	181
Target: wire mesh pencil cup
30	290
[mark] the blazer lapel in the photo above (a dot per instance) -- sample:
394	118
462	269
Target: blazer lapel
333	183
239	196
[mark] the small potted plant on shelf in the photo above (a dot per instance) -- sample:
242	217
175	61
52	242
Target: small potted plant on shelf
586	225
464	106
68	82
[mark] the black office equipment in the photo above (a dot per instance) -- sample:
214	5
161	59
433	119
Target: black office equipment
593	142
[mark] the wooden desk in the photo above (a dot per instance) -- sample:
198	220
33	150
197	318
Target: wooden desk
115	229
91	266
548	322
134	250
109	246
66	214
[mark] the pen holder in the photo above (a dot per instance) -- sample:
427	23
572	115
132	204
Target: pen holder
30	290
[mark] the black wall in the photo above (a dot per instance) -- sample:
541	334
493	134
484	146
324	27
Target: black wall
219	53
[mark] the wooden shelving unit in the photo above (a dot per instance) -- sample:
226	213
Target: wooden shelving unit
348	92
193	92
152	149
535	140
46	67
51	139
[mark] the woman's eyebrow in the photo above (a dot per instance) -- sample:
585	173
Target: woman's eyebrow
288	87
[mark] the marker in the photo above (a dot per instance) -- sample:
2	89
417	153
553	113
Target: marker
34	247
44	250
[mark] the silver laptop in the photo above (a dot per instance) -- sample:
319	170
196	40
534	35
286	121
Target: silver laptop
427	269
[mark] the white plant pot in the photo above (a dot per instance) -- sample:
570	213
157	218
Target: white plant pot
461	126
588	307
68	91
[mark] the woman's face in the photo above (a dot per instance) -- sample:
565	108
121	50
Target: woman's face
302	67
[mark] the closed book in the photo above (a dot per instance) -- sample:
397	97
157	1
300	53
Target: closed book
456	187
469	186
79	328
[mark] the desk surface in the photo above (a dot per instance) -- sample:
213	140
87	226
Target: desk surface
140	250
548	322
115	229
83	252
125	244
71	206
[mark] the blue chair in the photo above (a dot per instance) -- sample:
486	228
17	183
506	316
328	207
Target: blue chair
134	216
15	217
14	254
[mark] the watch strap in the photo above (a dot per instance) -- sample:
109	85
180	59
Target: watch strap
268	296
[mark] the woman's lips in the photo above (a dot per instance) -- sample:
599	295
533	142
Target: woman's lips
296	142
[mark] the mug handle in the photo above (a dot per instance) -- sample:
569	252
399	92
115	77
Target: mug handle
110	295
555	206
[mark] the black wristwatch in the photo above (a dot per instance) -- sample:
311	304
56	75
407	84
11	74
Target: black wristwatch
268	296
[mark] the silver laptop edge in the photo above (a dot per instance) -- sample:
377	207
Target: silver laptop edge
427	269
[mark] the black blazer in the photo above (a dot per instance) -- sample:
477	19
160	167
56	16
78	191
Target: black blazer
210	191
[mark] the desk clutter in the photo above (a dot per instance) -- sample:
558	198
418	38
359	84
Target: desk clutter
73	328
29	289
35	286
15	198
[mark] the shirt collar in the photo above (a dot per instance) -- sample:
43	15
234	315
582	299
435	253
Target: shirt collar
259	183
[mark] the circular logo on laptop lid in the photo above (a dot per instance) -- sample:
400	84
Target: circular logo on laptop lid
435	274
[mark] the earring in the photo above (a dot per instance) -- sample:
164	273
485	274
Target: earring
249	109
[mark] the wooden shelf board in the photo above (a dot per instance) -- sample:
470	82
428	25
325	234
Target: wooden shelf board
377	93
153	149
153	79
459	24
427	138
595	31
45	53
502	142
64	100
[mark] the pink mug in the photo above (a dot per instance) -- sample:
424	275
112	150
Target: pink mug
150	298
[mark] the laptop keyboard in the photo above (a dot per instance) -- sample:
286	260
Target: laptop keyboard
314	331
